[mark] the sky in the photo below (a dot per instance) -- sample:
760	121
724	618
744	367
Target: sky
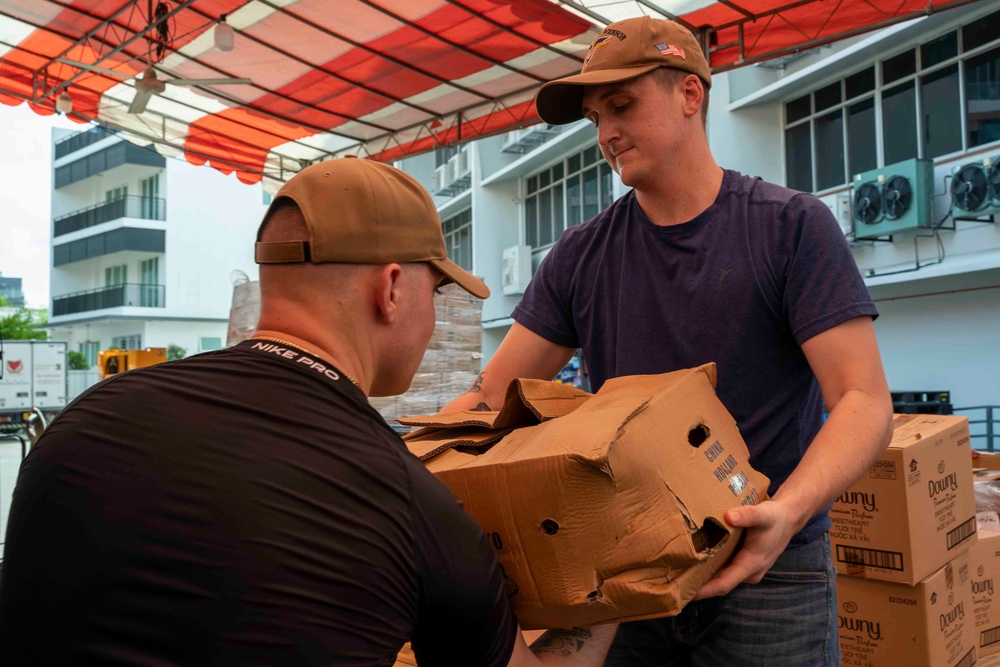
25	198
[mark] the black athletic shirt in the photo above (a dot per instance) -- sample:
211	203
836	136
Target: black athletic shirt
245	506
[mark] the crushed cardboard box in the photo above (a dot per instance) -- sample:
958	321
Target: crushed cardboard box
884	624
914	510
605	507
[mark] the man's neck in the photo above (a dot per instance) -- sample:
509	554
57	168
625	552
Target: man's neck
326	349
681	195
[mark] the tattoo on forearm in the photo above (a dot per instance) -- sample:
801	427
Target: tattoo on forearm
562	642
477	386
482	407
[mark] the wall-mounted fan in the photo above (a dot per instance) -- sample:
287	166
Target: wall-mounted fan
893	198
896	197
868	203
970	187
994	180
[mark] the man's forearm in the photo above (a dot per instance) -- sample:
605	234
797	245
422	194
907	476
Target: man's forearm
478	397
579	646
856	431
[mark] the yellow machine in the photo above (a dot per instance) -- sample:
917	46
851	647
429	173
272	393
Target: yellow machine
114	360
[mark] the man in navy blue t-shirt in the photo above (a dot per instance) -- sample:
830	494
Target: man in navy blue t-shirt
700	264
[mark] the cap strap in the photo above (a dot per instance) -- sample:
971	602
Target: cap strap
282	252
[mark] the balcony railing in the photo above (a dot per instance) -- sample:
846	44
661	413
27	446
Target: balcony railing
98	162
128	294
81	139
132	206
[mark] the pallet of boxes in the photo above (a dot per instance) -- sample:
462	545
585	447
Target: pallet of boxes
915	577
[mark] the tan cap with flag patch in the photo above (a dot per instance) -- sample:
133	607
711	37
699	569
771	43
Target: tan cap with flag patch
624	50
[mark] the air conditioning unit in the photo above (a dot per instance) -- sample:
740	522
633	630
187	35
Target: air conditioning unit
438	183
463	168
510	141
894	198
840	206
975	189
450	174
516	272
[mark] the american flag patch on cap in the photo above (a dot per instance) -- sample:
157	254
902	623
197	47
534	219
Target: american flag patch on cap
671	50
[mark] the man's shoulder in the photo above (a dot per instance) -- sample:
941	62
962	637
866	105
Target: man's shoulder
759	191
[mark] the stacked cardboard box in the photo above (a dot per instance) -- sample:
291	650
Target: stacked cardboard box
984	570
244	311
900	538
451	362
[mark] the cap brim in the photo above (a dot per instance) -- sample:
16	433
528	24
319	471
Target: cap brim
561	101
461	277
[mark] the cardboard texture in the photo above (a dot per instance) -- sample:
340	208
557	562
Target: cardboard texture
931	624
984	569
609	511
914	510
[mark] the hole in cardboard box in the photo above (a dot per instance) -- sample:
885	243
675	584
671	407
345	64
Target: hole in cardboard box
711	535
698	435
550	527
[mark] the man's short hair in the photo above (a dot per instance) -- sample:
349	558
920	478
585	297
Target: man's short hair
672	78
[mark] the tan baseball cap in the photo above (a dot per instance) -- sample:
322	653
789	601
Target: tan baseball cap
624	50
364	212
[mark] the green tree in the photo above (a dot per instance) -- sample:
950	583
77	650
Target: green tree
77	361
175	352
23	325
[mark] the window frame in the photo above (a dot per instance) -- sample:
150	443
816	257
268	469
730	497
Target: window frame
917	78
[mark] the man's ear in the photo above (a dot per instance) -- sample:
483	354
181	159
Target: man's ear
694	92
388	288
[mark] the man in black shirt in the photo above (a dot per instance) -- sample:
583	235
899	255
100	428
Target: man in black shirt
248	506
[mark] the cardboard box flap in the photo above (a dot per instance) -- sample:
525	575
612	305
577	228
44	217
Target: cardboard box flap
526	402
911	429
438	440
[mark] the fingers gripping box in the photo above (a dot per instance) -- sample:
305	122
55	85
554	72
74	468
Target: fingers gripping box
613	510
914	510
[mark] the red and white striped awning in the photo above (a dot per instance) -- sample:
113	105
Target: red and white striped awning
381	78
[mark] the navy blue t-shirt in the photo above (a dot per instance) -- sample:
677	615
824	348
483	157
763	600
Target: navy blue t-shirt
744	284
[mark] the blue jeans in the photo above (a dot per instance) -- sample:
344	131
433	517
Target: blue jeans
789	619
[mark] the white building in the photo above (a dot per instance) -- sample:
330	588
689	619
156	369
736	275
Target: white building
143	247
928	89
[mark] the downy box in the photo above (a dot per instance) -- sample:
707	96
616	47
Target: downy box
931	624
984	574
914	510
612	511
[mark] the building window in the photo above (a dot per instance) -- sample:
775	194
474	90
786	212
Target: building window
458	238
116	275
209	343
151	197
116	193
149	271
982	96
568	193
130	342
90	350
921	96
